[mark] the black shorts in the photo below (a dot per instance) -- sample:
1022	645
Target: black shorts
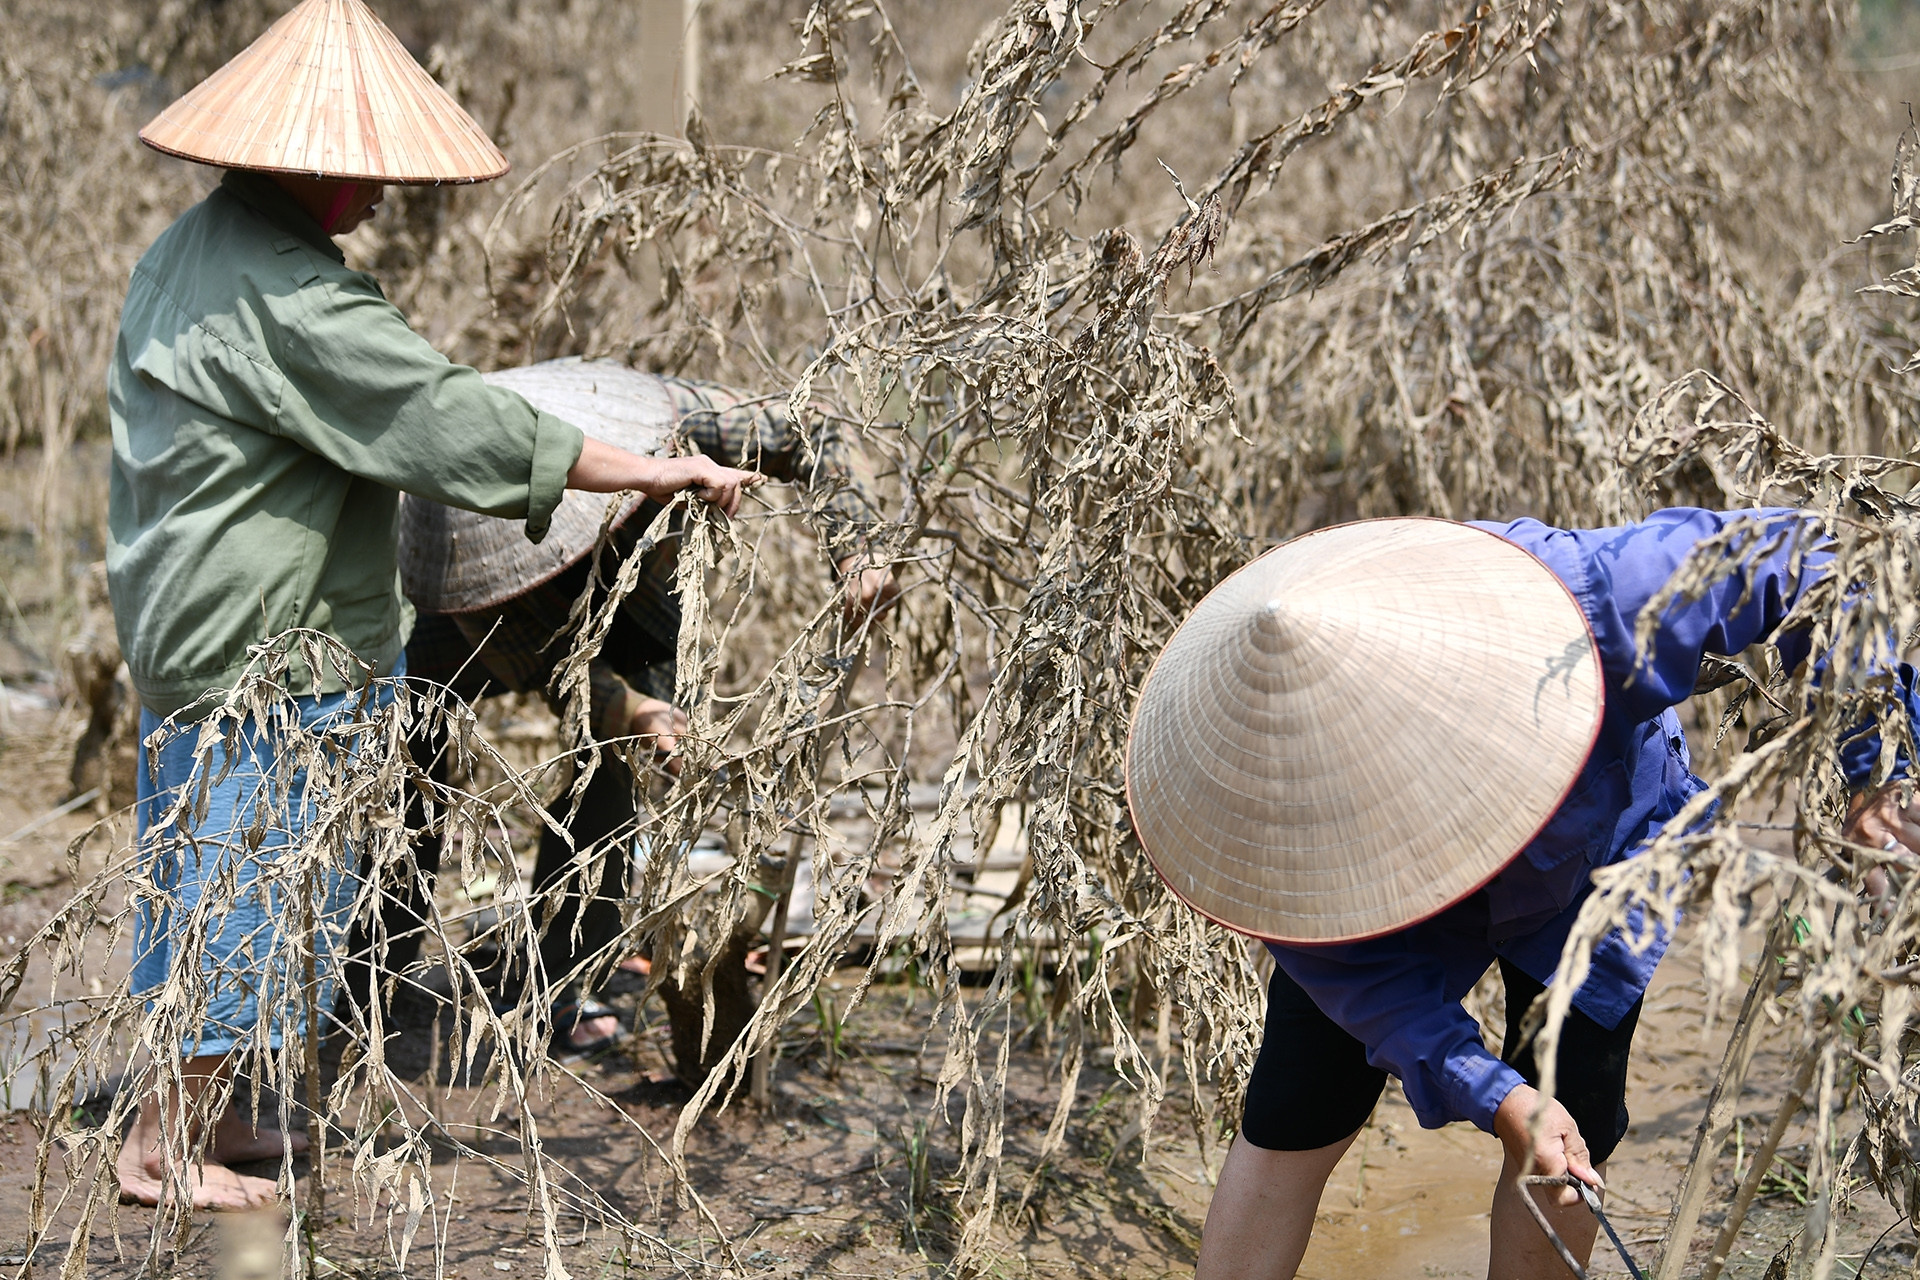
1312	1085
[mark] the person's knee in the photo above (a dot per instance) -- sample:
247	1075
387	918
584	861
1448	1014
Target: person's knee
1263	1210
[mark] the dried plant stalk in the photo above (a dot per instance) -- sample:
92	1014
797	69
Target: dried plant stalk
1095	384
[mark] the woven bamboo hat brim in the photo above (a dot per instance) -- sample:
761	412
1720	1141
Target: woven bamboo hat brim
328	92
1360	728
454	561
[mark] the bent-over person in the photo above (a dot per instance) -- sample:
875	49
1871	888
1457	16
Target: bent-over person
1397	751
494	618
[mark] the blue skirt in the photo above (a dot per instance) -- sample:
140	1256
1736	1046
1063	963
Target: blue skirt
229	882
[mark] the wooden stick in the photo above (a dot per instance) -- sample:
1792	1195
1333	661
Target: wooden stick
760	1075
1717	1123
1762	1161
80	801
1819	1240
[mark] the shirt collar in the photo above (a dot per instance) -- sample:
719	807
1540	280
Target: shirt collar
270	200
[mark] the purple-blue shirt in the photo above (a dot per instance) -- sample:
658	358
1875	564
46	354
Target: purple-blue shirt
1400	994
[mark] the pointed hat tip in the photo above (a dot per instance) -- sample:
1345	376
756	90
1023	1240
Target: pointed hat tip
1343	739
328	90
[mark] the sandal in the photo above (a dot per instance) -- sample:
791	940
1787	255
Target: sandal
569	1014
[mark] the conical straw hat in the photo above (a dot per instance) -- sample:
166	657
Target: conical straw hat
454	561
329	92
1360	728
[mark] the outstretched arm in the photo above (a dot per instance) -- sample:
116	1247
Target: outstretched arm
602	468
1615	573
1771	558
756	431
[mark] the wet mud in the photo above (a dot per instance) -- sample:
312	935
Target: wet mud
843	1175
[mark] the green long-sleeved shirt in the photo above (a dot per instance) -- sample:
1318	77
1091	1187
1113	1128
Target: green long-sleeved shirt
268	405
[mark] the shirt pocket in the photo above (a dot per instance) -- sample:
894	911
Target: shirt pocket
1679	778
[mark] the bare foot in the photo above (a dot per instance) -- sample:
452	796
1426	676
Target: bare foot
209	1184
212	1186
236	1141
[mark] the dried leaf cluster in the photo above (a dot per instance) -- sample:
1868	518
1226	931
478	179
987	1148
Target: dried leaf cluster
1422	258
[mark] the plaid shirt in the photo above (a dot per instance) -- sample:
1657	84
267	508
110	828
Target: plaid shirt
517	644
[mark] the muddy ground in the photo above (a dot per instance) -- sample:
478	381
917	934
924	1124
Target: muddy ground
845	1173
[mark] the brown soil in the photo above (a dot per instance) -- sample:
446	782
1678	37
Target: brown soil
844	1174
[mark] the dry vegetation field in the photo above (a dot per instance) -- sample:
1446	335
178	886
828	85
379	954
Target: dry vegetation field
1115	294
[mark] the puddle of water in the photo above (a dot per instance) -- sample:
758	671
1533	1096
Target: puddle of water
1406	1201
1413	1201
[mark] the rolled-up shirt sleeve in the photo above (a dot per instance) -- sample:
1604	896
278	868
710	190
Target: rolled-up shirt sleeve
1393	999
370	395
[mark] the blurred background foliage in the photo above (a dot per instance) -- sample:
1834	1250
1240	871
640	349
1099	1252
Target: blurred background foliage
1736	150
